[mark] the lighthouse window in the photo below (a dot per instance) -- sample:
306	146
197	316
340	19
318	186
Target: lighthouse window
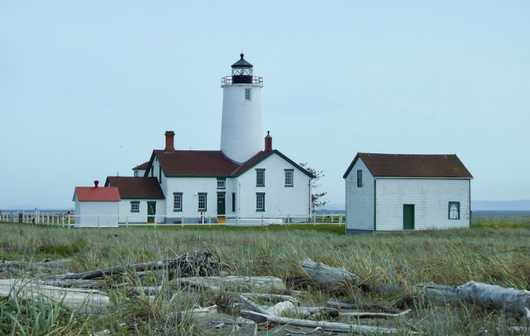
248	94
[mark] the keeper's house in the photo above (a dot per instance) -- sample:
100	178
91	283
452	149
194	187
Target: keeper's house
392	192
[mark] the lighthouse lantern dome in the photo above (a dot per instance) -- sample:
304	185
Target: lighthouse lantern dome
242	71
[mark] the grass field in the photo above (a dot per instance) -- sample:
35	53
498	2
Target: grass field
490	252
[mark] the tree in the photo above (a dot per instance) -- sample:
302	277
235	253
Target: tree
316	197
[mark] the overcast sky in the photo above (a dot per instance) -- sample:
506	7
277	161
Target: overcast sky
87	88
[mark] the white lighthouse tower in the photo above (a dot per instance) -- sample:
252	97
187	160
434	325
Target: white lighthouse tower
242	131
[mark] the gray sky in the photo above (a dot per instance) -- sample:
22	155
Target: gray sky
87	88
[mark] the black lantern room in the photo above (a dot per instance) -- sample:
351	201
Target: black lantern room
242	71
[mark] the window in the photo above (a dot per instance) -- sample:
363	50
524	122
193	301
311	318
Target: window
221	183
203	201
260	202
136	174
248	94
260	177
454	210
289	177
177	202
159	174
135	206
233	202
359	178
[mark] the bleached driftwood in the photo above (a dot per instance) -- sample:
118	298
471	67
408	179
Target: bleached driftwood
364	307
252	305
325	325
45	265
198	263
270	297
328	277
308	312
84	300
235	283
511	300
76	283
280	308
356	314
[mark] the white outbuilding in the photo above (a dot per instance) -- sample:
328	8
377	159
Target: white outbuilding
393	192
96	206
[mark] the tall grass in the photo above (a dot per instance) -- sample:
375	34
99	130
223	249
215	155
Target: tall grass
486	253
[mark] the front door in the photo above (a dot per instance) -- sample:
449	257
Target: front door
408	216
151	211
221	204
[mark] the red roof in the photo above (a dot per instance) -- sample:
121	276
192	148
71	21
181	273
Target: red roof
197	163
142	166
136	187
412	165
97	194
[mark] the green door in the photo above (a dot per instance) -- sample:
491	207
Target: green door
408	216
151	211
221	204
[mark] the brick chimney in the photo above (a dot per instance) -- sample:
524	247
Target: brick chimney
268	142
96	183
170	138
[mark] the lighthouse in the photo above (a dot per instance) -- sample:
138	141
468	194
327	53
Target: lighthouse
241	128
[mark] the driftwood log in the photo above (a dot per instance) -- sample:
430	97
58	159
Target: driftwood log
84	300
333	303
324	325
198	263
281	308
74	283
356	314
510	300
260	314
329	278
57	265
274	298
235	283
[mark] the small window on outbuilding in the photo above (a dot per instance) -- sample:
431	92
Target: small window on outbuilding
359	178
454	210
135	206
248	94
